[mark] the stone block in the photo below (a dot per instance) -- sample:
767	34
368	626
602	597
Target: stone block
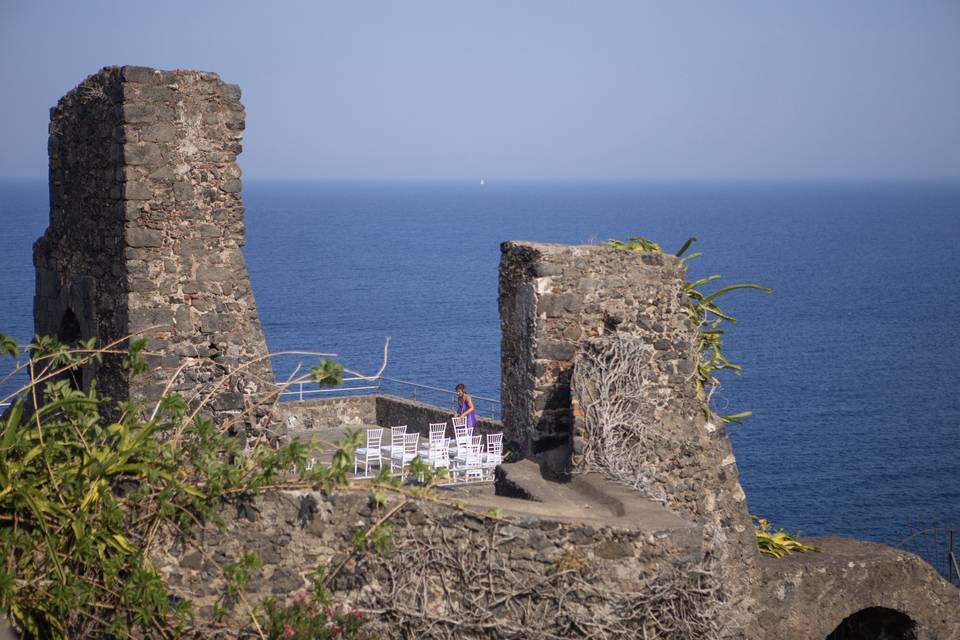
544	269
137	236
142	153
555	350
209	323
138	113
137	190
141	75
213	274
159	132
557	305
613	550
183	191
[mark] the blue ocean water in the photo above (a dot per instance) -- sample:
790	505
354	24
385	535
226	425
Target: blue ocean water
849	366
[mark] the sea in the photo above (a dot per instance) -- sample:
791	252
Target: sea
850	365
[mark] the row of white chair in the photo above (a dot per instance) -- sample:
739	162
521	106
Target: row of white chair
464	456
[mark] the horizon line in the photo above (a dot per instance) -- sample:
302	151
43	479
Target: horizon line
638	180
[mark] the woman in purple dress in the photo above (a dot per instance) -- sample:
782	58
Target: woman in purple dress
465	407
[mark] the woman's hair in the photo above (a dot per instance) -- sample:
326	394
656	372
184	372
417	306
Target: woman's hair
460	387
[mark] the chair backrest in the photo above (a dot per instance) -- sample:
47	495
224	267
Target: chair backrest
438	436
374	437
473	454
495	445
461	435
410	442
397	434
438	427
459	422
438	451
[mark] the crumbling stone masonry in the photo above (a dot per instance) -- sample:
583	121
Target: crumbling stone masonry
559	303
146	225
552	297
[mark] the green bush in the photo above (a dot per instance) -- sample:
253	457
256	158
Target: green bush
83	500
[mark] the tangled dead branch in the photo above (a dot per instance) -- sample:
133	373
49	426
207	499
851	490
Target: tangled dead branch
609	382
444	584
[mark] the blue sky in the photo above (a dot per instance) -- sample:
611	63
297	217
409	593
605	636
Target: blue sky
526	90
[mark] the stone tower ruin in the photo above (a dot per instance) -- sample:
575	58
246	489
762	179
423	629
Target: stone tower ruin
146	226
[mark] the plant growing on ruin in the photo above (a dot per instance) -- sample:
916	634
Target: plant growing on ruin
312	616
706	317
83	500
777	543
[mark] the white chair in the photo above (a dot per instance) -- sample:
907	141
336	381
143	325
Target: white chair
396	440
494	453
470	465
461	437
402	457
438	456
459	422
369	453
438	434
463	449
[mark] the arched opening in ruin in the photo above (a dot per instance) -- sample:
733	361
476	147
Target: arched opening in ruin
69	334
875	623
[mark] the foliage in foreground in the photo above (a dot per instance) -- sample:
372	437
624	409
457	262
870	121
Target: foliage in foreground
312	617
82	500
705	316
777	543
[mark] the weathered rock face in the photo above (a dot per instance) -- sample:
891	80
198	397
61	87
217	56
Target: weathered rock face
146	225
810	595
552	297
459	573
564	308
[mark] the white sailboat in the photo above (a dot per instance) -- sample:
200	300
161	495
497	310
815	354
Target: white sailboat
481	182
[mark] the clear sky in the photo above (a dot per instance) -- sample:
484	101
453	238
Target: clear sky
526	90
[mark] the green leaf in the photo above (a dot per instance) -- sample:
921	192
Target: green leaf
736	418
327	373
686	245
733	287
8	346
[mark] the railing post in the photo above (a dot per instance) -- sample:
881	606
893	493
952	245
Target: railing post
301	391
951	558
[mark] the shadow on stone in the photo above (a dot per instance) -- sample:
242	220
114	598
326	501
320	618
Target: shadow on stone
875	623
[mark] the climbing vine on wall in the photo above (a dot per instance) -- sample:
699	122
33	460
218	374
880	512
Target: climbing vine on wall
707	318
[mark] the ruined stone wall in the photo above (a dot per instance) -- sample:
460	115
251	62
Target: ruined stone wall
367	410
327	413
80	279
808	595
392	410
456	573
560	303
145	231
552	297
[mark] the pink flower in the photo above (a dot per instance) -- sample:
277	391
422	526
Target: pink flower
288	632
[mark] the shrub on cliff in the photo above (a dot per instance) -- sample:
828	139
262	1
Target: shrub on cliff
83	501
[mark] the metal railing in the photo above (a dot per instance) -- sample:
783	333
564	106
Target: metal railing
438	396
938	546
302	390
